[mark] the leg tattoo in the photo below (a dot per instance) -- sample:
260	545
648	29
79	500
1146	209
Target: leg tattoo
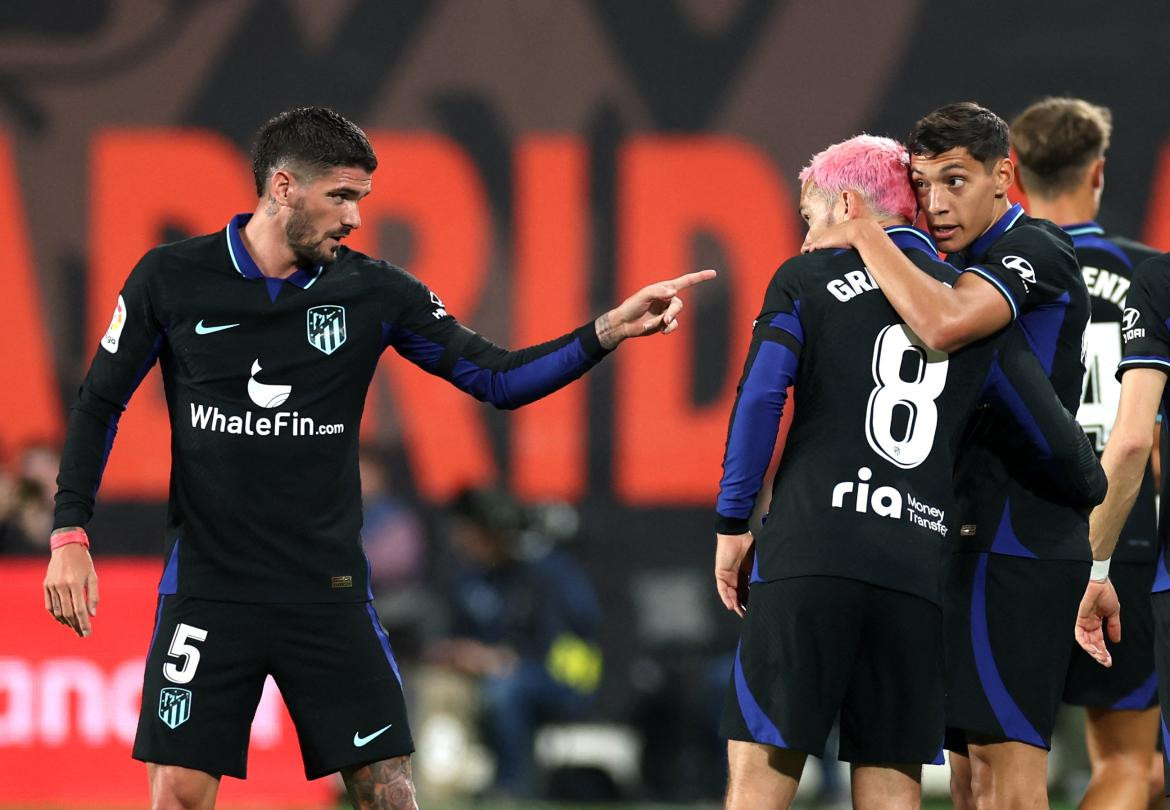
382	785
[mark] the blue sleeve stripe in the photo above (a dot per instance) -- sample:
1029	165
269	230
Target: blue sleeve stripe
1136	360
1007	395
524	384
415	348
790	323
755	423
999	285
504	389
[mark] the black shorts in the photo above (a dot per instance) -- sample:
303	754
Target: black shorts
1130	683
206	670
815	648
1160	603
1008	625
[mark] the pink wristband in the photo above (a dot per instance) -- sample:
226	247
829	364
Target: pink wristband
65	538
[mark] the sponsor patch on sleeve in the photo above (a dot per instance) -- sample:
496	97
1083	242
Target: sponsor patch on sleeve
113	335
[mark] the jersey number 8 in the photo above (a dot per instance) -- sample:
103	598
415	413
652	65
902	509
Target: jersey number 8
901	418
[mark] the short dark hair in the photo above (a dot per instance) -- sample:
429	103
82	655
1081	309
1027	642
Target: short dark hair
965	124
311	139
1055	141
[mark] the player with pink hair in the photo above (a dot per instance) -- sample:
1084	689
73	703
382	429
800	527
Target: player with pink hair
876	168
846	575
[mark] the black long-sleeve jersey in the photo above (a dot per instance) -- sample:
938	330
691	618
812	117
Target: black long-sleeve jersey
1146	335
1031	262
265	382
864	489
1107	265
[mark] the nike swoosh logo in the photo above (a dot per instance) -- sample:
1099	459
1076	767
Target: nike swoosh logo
200	329
359	740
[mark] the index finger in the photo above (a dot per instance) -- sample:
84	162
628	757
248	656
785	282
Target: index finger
691	279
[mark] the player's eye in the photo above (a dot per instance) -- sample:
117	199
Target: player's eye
956	181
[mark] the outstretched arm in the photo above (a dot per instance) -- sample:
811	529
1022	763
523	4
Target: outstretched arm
946	318
652	309
429	337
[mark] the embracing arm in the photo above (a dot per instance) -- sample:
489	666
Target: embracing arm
1059	461
946	318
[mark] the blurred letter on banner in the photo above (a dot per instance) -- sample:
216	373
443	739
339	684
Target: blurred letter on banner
144	182
668	450
31	409
427	183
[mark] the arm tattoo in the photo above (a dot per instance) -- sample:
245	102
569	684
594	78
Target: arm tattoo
606	332
382	785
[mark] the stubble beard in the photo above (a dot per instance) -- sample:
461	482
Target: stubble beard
298	232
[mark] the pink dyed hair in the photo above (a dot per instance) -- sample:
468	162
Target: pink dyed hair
877	168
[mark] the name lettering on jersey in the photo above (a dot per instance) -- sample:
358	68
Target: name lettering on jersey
887	502
1129	327
1106	285
851	285
1022	268
113	335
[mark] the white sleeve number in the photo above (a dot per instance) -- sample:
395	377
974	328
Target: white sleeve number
901	418
182	648
1102	390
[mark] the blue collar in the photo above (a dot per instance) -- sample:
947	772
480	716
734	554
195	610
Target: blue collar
246	266
1089	228
978	249
907	237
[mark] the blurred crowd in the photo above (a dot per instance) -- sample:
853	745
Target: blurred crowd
502	638
27	485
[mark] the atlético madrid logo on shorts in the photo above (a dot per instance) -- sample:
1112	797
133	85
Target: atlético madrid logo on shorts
174	705
326	327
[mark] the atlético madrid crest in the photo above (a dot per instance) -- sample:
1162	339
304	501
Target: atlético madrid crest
174	705
326	326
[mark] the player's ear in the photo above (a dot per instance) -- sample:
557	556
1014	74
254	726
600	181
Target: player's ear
854	205
280	184
1004	175
844	200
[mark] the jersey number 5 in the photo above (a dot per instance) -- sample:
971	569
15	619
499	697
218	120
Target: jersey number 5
901	418
181	647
